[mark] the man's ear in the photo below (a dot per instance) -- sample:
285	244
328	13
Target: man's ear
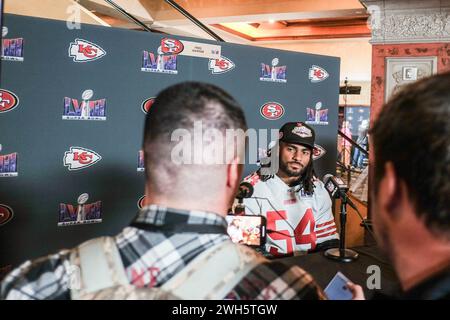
234	173
390	193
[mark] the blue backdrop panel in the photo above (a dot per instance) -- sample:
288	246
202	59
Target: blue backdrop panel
41	80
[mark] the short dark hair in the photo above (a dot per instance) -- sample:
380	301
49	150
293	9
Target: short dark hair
413	132
180	106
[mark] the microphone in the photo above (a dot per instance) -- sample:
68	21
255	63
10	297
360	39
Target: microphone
245	190
337	188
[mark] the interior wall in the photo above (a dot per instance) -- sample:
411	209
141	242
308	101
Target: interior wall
381	52
356	61
51	9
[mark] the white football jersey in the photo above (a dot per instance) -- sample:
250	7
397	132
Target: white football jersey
295	221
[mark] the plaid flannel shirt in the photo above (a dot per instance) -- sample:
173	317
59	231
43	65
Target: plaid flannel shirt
151	258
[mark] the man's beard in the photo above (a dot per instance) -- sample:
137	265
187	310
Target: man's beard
284	166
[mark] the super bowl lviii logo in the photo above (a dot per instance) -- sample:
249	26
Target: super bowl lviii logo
8	100
160	63
272	110
273	73
82	213
8	164
86	109
222	65
12	49
317	115
140	162
6	214
78	158
317	74
84	51
147	104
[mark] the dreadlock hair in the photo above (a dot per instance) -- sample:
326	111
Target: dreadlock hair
306	180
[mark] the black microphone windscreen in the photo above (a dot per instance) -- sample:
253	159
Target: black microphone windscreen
245	190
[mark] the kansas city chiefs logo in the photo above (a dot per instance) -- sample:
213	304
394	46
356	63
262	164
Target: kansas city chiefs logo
147	104
317	74
318	152
8	100
272	110
171	46
141	202
79	158
6	214
84	51
221	65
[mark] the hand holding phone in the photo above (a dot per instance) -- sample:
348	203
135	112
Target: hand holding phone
337	289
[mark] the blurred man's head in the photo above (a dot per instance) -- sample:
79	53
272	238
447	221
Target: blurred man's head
188	157
411	174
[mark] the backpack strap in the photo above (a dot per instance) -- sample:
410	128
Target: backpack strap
210	275
101	266
214	273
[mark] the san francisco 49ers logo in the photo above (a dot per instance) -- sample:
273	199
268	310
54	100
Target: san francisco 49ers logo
6	214
171	46
8	100
317	74
147	104
221	65
79	158
272	110
141	202
83	51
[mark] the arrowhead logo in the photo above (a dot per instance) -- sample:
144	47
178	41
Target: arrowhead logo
317	74
318	152
84	51
221	65
79	158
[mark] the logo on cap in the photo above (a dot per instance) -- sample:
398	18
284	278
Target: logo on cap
272	110
302	131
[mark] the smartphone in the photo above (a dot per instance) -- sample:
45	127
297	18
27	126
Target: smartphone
247	229
337	288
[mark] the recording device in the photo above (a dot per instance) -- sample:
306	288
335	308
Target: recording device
247	229
338	190
337	288
245	191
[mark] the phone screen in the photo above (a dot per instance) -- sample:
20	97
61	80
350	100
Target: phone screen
337	288
248	230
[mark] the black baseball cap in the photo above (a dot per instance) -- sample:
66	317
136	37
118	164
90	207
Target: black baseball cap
297	133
